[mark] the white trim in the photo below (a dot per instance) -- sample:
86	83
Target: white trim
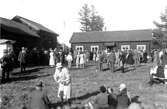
79	48
141	47
125	47
94	47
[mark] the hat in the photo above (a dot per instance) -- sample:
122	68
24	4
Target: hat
122	86
58	65
40	84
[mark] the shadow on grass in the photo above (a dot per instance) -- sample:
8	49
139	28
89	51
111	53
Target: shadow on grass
25	78
27	72
74	99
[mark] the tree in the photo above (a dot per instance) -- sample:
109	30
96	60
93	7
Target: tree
97	22
159	34
90	20
163	24
85	18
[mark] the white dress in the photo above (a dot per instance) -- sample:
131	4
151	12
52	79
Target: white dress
69	58
81	58
63	78
51	60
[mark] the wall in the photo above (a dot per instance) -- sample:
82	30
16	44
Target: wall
133	45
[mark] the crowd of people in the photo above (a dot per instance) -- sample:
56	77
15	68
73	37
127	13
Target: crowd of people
62	62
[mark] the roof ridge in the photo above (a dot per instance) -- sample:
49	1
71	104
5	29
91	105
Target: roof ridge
115	31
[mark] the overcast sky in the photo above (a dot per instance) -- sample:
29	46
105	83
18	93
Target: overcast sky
62	16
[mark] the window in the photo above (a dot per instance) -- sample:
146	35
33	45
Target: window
141	47
125	47
94	48
79	48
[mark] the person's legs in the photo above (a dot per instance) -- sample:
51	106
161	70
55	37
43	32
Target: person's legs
3	75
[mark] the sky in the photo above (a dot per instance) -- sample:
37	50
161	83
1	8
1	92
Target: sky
62	17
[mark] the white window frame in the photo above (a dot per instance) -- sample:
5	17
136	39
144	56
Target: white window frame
81	48
141	47
94	46
125	46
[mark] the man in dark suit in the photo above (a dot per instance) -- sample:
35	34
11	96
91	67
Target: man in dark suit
6	65
111	61
22	59
39	98
123	60
101	100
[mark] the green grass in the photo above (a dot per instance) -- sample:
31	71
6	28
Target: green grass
84	81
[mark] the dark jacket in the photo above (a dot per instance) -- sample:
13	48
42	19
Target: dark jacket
22	57
123	100
101	101
39	100
112	101
6	62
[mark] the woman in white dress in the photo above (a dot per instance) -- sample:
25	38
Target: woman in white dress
52	59
77	59
63	78
82	60
69	59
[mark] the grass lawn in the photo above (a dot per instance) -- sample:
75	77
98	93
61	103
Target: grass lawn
85	82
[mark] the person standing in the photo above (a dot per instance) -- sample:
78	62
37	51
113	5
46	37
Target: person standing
77	59
6	66
39	98
111	61
69	59
22	59
82	60
51	59
63	78
123	60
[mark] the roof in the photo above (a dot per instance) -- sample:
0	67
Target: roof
33	24
15	27
4	41
111	36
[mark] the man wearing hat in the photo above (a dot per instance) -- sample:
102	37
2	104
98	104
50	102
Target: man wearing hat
5	65
22	59
123	97
39	98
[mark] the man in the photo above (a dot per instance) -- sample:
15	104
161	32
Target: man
123	60
101	100
123	97
22	59
111	61
6	66
39	98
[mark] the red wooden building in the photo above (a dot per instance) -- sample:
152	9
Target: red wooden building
131	39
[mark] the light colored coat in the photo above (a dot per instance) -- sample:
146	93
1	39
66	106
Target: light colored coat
63	78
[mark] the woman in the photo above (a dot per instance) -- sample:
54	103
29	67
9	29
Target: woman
82	60
69	59
63	78
51	60
77	59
